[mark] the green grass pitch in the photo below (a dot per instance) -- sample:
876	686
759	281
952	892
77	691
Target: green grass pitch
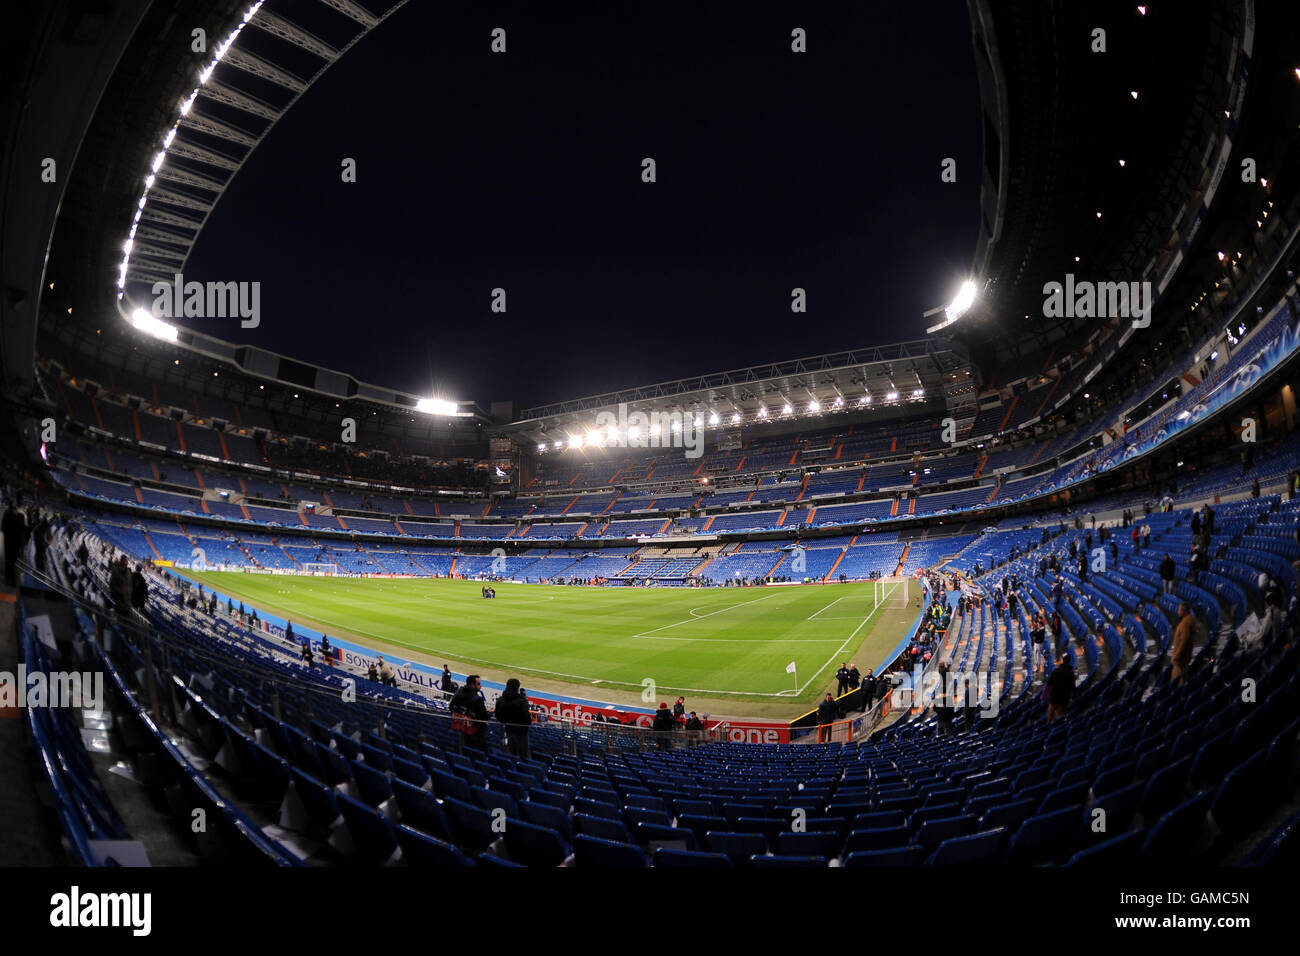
724	644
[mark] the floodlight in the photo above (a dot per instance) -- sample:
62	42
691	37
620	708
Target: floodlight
958	307
436	406
145	322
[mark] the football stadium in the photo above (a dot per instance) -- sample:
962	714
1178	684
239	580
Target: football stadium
373	497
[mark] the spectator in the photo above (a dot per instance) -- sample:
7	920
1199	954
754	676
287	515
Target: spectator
1146	535
448	685
855	678
662	726
1181	652
1060	687
139	589
842	678
372	672
1167	571
119	582
943	709
679	708
469	716
307	658
387	676
515	715
827	713
1197	563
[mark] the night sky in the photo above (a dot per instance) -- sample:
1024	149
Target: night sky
523	171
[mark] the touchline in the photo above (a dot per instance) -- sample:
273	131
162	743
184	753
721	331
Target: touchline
60	689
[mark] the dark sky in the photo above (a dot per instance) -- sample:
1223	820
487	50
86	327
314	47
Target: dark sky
523	171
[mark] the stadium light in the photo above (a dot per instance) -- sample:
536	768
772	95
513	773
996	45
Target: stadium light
633	431
864	400
955	309
892	396
814	406
542	446
575	441
787	409
655	429
145	322
436	406
762	412
735	418
713	418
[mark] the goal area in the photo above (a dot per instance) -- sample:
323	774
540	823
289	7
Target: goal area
891	592
325	568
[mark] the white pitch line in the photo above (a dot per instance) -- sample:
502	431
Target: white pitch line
836	601
846	642
692	620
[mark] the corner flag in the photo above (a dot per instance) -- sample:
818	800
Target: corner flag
790	668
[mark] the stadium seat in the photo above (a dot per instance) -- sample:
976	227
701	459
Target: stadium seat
1044	838
372	835
1173	837
534	845
1121	850
595	852
738	847
690	860
897	856
420	849
986	846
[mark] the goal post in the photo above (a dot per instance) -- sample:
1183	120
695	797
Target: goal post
891	592
320	568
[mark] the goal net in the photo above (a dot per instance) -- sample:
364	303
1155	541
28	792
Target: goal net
320	568
892	592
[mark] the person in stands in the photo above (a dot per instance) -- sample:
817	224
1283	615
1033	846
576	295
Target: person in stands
827	713
662	726
1060	688
469	716
515	715
1180	654
1167	571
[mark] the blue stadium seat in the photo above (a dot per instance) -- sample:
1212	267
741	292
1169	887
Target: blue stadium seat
986	846
1121	850
602	827
420	849
896	856
1044	838
547	816
1174	835
534	845
691	860
418	809
593	851
808	844
372	835
738	847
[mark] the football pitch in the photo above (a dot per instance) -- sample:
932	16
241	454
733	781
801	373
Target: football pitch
729	646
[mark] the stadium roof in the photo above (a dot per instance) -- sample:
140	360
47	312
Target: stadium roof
928	373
